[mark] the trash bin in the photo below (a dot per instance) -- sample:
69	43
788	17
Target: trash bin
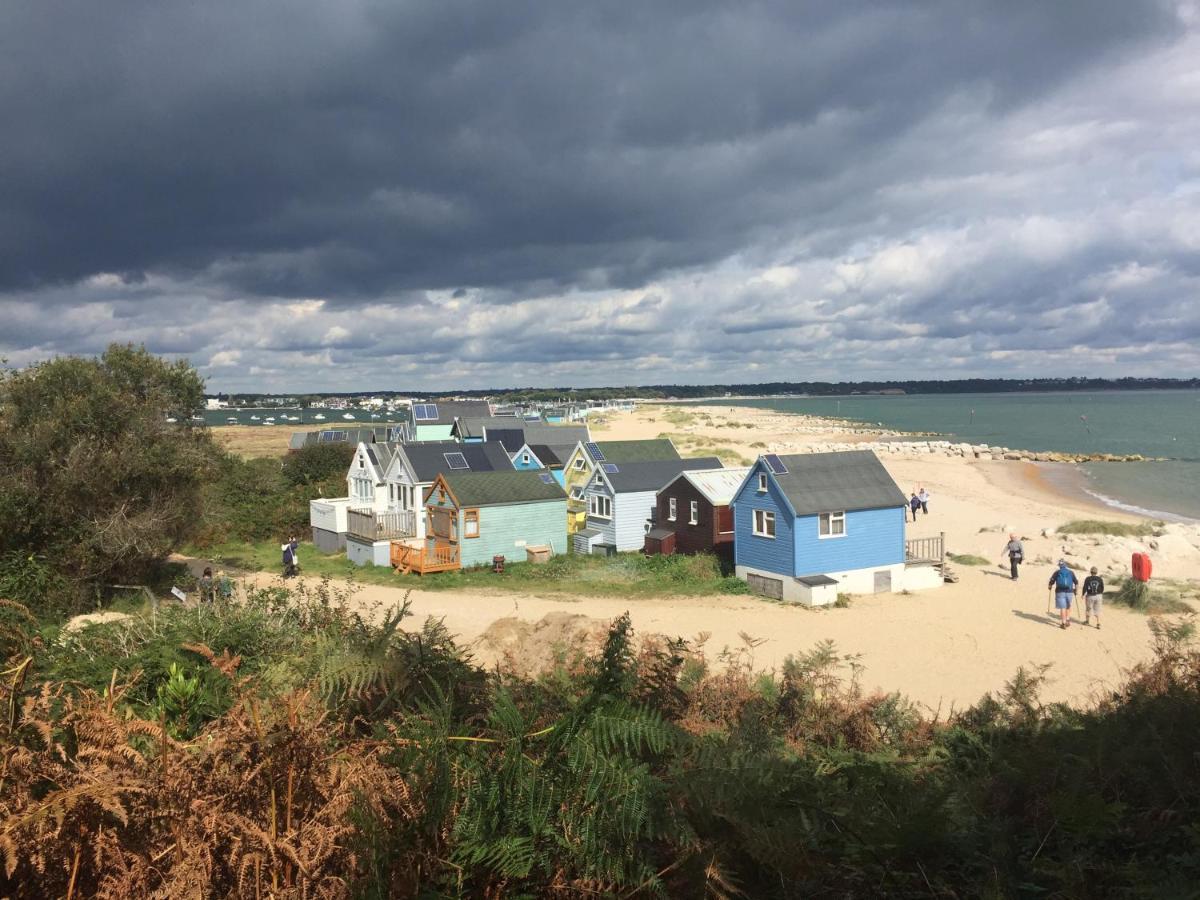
498	565
538	553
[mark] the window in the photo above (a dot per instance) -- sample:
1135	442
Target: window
694	513
470	523
762	482
671	509
579	464
764	523
525	459
600	507
361	463
577	492
831	525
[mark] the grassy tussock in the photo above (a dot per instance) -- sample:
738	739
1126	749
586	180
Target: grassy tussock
968	559
1114	529
1156	597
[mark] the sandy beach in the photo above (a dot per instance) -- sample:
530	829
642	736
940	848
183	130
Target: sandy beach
944	647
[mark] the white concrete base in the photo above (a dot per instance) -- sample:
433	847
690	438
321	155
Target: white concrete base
368	553
875	580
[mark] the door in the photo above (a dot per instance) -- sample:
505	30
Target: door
768	587
443	525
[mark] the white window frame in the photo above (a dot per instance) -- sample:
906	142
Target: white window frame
524	459
577	492
579	464
826	523
670	509
760	524
762	482
694	512
600	506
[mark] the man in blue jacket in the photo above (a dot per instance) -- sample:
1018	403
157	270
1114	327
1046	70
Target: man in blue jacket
1064	586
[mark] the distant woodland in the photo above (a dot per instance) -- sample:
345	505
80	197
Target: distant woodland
777	388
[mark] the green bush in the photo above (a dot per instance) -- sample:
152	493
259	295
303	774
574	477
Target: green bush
968	559
318	463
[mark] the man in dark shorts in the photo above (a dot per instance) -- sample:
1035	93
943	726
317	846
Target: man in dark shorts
1016	554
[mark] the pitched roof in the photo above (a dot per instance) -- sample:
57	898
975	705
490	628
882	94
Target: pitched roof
499	488
450	410
829	482
428	459
550	457
555	435
637	451
718	485
655	474
473	426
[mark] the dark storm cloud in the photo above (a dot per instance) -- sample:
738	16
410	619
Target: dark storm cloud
296	149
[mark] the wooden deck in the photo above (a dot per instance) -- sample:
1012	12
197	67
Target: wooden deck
372	526
425	559
925	551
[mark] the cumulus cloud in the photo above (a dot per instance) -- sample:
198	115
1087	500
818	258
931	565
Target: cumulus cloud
302	195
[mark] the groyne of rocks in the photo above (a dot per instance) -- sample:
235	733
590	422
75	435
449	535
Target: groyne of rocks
950	448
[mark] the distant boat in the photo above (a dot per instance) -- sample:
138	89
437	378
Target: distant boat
319	417
232	420
374	415
269	420
254	418
197	418
170	421
348	417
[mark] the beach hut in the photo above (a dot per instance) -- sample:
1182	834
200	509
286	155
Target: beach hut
809	526
474	517
694	515
435	421
542	457
583	460
620	501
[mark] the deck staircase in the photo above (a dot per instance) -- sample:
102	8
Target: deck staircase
424	559
929	551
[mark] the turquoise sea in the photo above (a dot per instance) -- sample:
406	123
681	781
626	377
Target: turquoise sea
1151	423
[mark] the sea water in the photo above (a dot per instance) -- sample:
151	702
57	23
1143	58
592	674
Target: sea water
1161	424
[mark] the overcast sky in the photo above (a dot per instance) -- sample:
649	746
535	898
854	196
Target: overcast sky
302	195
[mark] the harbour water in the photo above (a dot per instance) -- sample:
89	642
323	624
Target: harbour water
1159	424
308	418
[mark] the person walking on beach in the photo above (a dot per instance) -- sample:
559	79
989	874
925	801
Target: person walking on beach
923	496
914	504
1093	596
1065	587
1016	554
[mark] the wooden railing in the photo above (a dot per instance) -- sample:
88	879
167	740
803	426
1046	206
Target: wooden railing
424	559
372	526
926	550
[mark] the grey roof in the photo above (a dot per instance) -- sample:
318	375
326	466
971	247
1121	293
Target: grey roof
833	482
550	457
512	439
555	435
473	426
450	410
588	533
428	459
654	475
816	580
501	488
659	534
637	451
301	439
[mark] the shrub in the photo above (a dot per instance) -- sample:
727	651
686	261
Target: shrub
968	559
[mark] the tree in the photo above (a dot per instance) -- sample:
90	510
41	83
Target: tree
96	484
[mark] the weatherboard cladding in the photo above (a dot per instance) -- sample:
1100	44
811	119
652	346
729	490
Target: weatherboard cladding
873	538
472	489
840	481
765	554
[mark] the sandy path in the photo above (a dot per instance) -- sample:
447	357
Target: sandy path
941	648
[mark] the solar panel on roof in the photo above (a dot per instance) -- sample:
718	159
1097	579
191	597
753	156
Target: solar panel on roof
547	478
425	412
456	461
610	468
332	436
775	464
594	450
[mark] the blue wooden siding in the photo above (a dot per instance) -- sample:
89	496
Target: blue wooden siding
757	552
874	537
520	466
607	527
507	530
560	476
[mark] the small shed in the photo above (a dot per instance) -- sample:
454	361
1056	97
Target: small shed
660	541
